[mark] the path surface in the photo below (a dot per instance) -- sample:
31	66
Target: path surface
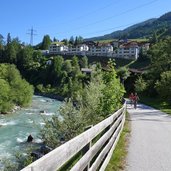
150	142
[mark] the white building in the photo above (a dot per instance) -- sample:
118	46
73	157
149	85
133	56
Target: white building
115	43
81	49
127	51
101	50
56	48
44	52
145	46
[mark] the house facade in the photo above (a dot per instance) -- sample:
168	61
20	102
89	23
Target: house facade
128	50
56	48
101	50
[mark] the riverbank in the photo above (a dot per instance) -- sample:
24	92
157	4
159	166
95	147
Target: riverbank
14	109
52	96
16	127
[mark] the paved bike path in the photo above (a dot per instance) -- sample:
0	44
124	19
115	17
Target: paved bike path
150	142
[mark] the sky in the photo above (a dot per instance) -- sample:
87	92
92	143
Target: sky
65	18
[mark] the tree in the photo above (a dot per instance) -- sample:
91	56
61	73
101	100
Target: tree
90	98
46	42
56	70
60	129
10	53
160	57
140	85
66	42
25	58
57	65
67	66
71	40
5	102
84	62
14	90
8	38
55	39
80	39
154	38
76	41
163	85
76	68
37	56
113	91
123	73
1	42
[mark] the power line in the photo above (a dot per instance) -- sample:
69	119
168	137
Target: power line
97	10
117	27
89	13
113	16
31	33
108	29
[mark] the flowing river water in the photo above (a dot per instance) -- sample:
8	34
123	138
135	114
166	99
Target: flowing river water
15	127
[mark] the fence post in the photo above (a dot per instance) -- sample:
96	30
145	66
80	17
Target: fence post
87	147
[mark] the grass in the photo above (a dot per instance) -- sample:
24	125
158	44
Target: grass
110	40
68	165
157	103
139	64
117	161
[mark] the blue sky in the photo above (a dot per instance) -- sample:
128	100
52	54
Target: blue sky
64	18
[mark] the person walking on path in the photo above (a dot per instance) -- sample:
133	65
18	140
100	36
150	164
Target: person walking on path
131	98
135	100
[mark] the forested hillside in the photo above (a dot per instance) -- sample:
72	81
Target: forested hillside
141	30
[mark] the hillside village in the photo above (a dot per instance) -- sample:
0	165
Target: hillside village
115	49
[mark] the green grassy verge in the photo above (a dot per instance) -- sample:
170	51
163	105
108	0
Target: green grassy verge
139	64
157	103
117	161
110	40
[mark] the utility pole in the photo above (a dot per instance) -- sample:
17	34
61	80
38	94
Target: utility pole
31	33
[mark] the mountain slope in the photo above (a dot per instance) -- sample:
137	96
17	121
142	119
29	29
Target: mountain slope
141	30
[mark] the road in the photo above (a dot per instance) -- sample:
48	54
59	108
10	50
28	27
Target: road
150	142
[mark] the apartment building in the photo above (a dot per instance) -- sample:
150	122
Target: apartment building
81	49
101	50
128	50
56	48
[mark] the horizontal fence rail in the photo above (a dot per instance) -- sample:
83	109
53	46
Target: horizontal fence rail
97	154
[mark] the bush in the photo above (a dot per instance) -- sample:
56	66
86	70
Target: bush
13	90
140	85
163	86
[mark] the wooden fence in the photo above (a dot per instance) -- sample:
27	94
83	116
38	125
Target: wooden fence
96	144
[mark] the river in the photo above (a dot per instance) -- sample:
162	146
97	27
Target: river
15	127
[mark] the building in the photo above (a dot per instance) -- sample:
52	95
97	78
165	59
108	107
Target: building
56	48
128	50
101	50
44	52
81	49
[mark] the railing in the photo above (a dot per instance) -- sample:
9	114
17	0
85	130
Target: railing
97	145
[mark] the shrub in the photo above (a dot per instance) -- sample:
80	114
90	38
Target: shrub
163	86
140	85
